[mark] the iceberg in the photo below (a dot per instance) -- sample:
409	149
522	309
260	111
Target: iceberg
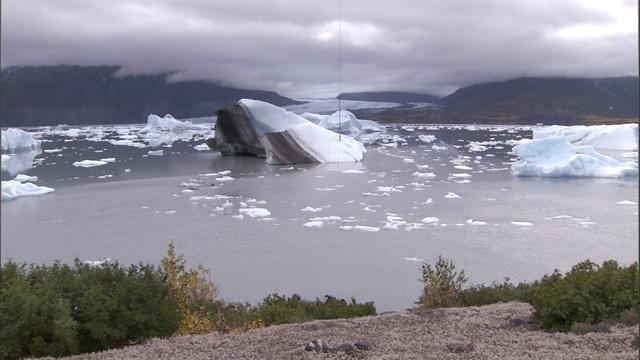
13	189
257	128
14	139
169	123
345	122
554	156
612	137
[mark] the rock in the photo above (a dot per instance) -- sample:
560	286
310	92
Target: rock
601	328
460	348
365	345
318	346
296	297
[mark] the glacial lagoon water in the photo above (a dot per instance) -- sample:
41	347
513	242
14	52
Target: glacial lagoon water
357	230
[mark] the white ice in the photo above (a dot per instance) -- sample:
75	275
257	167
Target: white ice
614	137
554	156
326	145
13	189
14	139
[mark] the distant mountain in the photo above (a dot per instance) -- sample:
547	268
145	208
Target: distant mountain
389	96
533	100
74	95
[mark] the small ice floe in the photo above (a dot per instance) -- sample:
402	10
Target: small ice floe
315	223
170	212
461	175
332	218
422	175
475	223
429	201
311	209
156	152
202	147
430	220
360	228
354	172
239	217
414	259
89	163
463	167
522	223
452	195
52	150
109	160
255	212
427	138
13	189
23	178
97	262
224	178
626	203
408	161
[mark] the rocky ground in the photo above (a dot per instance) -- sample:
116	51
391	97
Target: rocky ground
500	331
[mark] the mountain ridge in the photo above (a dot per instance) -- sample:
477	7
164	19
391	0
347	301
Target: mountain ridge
75	95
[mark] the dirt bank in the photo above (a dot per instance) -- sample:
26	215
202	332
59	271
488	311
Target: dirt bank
499	331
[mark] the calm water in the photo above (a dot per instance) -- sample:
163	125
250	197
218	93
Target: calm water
129	210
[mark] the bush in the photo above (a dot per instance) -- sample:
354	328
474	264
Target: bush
479	295
276	309
60	309
441	285
587	294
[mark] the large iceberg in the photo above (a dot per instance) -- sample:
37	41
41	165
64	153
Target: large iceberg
14	139
257	128
612	137
554	156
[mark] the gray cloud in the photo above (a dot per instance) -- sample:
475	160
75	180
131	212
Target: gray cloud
297	49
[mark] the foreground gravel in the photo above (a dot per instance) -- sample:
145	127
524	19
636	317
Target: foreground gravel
499	331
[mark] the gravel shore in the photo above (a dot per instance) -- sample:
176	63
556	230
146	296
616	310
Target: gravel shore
499	331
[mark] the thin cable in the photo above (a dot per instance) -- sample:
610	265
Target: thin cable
340	72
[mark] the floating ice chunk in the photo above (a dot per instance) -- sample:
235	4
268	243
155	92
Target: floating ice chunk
97	262
554	156
463	167
239	216
626	203
615	137
13	189
52	150
326	218
408	161
422	175
156	152
202	147
311	209
475	223
109	160
522	223
430	220
13	139
255	212
354	172
89	163
23	178
452	195
427	138
224	178
361	228
463	175
438	148
413	259
316	223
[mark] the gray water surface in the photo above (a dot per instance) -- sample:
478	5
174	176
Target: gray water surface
499	226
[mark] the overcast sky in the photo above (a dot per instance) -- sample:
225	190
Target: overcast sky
315	48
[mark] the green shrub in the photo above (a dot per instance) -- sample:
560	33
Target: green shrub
588	293
276	309
61	309
442	284
479	295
